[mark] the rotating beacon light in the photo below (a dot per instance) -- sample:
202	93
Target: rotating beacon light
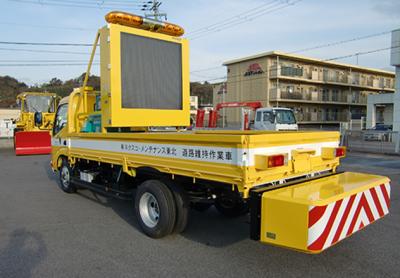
136	21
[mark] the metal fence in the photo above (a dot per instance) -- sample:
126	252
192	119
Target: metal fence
373	141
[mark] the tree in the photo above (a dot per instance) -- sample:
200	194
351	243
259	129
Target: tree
203	91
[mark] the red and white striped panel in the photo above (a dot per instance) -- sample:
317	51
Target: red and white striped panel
336	221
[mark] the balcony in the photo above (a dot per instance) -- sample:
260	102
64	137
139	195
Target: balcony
316	97
322	117
330	77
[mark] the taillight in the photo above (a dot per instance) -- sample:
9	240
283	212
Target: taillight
276	160
340	152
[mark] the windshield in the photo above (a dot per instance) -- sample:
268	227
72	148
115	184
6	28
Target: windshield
285	117
61	118
36	103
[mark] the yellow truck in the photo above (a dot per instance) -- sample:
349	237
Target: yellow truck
32	131
127	141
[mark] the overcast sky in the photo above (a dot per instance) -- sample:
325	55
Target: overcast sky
237	28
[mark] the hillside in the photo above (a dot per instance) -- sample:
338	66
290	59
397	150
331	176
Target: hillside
11	87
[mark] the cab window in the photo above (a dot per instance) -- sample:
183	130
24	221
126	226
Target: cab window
285	117
268	116
61	119
258	116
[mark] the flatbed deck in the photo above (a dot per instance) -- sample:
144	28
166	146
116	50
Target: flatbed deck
221	156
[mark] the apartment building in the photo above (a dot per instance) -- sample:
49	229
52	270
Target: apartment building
320	92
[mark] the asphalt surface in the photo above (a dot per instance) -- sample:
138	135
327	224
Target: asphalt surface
47	233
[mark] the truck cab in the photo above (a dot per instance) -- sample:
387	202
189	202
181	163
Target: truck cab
275	118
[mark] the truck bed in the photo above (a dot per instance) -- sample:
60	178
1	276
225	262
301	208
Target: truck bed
233	157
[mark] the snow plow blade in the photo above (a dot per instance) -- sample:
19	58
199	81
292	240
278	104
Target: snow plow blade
313	215
32	142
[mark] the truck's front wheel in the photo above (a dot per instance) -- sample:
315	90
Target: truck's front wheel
155	208
65	177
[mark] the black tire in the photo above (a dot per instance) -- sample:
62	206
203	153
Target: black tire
182	207
155	208
65	175
231	207
201	206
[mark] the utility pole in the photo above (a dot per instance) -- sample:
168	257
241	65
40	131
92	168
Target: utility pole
153	6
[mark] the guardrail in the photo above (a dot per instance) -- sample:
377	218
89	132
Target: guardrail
373	141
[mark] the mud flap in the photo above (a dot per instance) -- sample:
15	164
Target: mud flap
313	215
32	142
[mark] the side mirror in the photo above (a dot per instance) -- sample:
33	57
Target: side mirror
18	101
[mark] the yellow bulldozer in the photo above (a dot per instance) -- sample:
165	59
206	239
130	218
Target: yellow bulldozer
32	131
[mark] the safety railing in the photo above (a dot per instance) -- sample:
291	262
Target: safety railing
374	141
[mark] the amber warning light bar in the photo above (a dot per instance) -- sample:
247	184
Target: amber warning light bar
136	21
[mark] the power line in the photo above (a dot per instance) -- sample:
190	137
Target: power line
341	42
46	43
153	6
330	59
86	2
233	22
44	51
97	2
46	26
235	17
42	61
96	6
206	69
318	46
296	51
246	18
362	53
45	65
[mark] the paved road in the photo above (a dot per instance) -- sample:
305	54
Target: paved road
47	233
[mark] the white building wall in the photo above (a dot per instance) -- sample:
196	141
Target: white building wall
396	101
6	125
395	61
392	112
372	101
388	114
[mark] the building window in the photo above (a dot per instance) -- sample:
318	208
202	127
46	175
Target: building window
289	89
355	97
388	83
335	95
325	95
291	71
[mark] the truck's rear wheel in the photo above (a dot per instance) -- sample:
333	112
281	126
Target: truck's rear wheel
155	208
65	177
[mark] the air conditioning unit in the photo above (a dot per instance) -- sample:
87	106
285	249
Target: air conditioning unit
314	74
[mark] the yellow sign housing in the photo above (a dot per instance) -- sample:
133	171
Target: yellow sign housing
129	58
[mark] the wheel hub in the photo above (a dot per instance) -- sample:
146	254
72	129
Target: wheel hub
149	210
65	177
